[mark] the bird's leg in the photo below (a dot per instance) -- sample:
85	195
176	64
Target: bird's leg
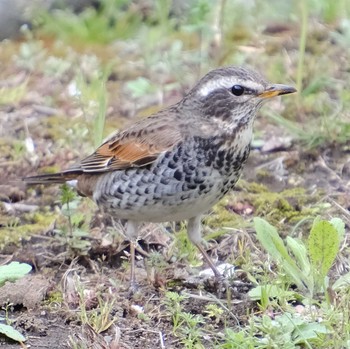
133	284
131	232
194	233
209	261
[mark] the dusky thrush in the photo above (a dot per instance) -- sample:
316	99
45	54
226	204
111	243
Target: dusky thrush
177	163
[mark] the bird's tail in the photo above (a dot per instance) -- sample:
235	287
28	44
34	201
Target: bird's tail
53	178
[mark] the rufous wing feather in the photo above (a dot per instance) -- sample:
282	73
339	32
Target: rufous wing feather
130	149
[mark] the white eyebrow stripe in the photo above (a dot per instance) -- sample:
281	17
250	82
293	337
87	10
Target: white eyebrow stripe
226	82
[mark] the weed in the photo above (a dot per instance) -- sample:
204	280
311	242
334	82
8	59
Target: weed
289	331
185	249
190	332
77	235
307	267
213	311
186	326
172	303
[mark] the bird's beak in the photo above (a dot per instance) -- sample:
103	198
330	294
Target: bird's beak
277	90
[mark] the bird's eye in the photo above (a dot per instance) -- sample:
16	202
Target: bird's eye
237	90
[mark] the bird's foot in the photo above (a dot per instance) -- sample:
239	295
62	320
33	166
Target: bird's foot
221	285
216	284
133	288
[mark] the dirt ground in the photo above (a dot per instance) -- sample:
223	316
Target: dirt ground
82	270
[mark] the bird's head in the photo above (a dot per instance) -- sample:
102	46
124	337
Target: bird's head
233	95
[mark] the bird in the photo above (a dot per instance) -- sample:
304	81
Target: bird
180	161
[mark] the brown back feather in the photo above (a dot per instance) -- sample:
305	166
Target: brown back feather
137	146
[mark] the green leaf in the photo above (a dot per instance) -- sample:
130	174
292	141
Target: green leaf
308	331
323	246
10	332
271	291
343	281
299	250
273	244
13	271
340	226
269	238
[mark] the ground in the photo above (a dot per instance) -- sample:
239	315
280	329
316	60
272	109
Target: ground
52	103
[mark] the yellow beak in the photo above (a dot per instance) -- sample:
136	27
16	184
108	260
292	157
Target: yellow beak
277	90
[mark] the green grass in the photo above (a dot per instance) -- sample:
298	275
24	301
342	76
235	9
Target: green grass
110	21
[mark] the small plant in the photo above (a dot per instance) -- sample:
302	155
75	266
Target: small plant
156	264
306	266
93	308
288	331
76	237
214	311
190	331
237	340
186	326
98	318
172	302
185	249
140	87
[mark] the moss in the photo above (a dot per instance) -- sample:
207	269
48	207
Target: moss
251	187
286	207
13	231
55	297
222	216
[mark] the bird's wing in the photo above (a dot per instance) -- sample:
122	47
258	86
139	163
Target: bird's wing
137	146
